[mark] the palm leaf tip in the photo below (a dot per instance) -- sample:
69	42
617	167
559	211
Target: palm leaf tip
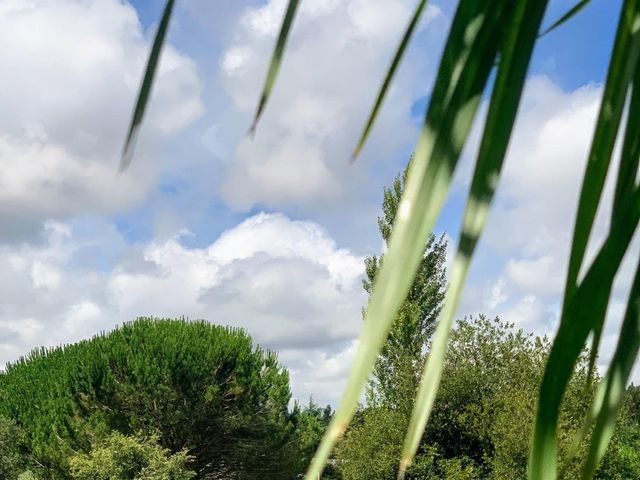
274	65
564	18
417	14
145	88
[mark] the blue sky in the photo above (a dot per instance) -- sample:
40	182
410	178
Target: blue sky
266	234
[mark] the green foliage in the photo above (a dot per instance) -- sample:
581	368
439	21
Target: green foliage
397	369
483	35
370	448
119	457
622	460
310	423
12	439
28	475
483	415
201	387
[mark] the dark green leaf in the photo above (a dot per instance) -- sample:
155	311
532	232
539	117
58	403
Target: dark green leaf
611	390
567	16
517	47
276	60
587	306
145	88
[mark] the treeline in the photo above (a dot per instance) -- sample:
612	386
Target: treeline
176	400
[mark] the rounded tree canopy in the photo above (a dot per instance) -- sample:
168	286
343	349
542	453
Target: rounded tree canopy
197	386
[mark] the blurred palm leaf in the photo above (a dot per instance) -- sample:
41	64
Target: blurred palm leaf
145	86
276	60
484	34
517	43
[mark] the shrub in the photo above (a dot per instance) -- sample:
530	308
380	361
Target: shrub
119	457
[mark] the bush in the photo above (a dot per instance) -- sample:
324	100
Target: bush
11	440
119	457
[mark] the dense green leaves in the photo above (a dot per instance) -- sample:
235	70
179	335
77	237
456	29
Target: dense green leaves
482	417
12	443
118	457
198	386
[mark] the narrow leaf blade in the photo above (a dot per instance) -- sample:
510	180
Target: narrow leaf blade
456	95
276	60
624	59
567	16
517	47
145	87
612	388
587	306
417	14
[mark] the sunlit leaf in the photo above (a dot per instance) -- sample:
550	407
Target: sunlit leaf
517	47
464	70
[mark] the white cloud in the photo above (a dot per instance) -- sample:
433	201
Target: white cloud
530	314
539	275
530	228
335	60
285	281
70	73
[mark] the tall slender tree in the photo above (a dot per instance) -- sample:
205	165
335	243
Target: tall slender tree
397	370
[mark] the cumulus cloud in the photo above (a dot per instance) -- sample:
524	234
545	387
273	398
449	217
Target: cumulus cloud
71	71
336	58
536	204
285	281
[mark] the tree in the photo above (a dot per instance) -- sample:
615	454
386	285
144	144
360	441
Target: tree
200	387
310	422
483	414
495	40
12	439
397	369
373	444
119	457
484	409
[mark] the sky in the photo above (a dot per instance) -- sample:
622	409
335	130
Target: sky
266	233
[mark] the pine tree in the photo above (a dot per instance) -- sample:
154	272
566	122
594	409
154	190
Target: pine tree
397	370
200	387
